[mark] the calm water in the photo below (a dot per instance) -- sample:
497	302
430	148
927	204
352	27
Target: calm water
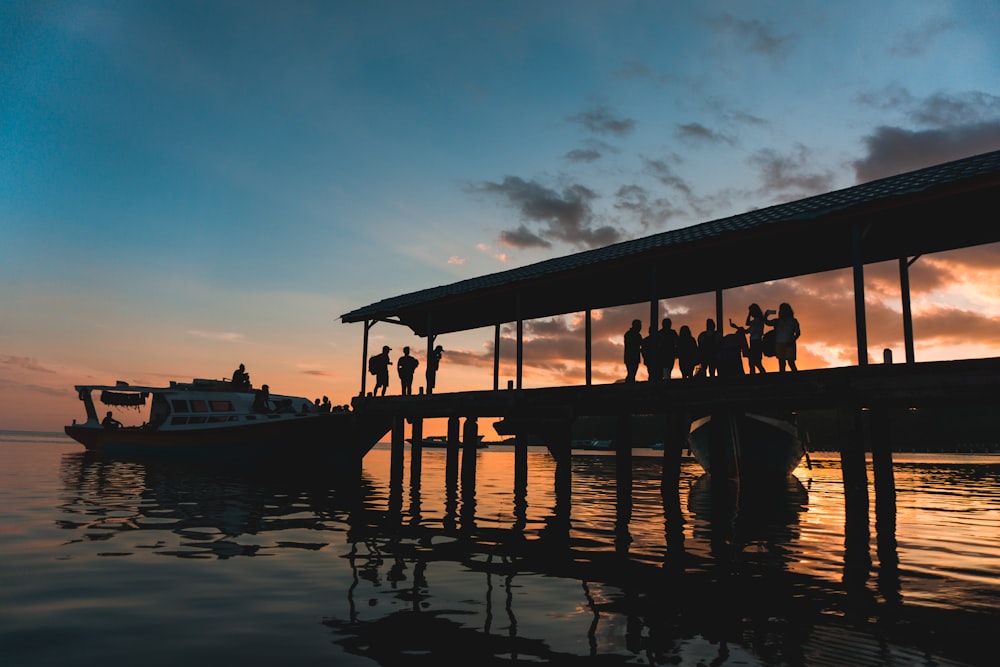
124	563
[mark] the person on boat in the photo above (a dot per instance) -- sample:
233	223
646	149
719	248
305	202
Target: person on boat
667	348
433	362
755	328
786	332
687	351
378	365
708	349
261	399
110	422
241	378
326	405
406	366
633	350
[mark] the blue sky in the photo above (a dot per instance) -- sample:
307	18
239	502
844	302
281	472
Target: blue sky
190	185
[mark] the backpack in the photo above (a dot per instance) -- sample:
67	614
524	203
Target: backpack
373	365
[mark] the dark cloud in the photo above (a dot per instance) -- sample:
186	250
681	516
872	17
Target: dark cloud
583	155
317	373
790	174
602	120
565	217
698	132
893	150
522	237
664	173
937	110
756	35
651	213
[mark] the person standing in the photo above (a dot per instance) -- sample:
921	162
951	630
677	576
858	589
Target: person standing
378	365
755	328
786	332
708	349
687	351
406	366
668	347
433	362
651	354
633	350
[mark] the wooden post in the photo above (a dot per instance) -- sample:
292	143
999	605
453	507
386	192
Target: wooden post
451	452
885	504
416	448
470	437
857	557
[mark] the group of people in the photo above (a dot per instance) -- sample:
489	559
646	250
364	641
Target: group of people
406	367
712	353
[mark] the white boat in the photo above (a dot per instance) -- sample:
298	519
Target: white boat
754	446
442	441
593	445
219	417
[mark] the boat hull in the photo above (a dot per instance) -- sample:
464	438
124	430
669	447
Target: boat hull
752	447
340	436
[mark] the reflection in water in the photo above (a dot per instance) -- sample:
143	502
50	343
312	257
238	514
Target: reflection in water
510	566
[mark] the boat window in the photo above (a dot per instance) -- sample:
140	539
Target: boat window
221	406
178	420
197	420
251	418
215	419
180	405
199	406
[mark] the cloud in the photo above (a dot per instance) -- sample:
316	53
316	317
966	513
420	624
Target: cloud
565	217
894	150
227	336
455	259
915	42
652	213
583	155
602	120
699	133
790	174
934	111
318	373
13	363
756	35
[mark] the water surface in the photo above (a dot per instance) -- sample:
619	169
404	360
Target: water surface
131	562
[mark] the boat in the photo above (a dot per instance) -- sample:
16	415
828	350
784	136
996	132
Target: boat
593	444
221	417
442	441
755	446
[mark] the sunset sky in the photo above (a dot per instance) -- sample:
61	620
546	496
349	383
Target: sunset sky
185	186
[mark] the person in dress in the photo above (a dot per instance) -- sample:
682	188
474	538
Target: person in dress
755	329
687	351
786	333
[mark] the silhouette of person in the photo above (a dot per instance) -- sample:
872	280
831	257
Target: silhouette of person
241	378
379	366
786	332
261	399
755	328
326	406
633	350
687	351
651	354
433	362
668	347
708	349
732	350
110	422
405	368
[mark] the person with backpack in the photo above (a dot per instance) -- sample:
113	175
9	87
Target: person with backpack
378	366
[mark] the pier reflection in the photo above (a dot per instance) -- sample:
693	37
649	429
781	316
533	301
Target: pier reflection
665	574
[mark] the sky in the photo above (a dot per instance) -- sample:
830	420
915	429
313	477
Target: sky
187	186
